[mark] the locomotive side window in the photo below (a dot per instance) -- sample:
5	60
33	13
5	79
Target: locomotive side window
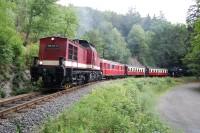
70	52
75	53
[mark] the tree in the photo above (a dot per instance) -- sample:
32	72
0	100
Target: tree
36	9
109	43
96	39
192	59
11	48
63	22
169	44
138	44
193	13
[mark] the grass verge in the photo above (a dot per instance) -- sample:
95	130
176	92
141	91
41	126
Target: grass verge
123	106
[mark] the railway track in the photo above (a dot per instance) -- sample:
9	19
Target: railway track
27	101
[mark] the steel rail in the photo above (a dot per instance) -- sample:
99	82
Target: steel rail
34	101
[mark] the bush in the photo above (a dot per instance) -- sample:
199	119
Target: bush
2	93
19	52
6	53
22	84
32	50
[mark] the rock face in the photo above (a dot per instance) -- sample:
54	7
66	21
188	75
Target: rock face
12	80
6	85
135	62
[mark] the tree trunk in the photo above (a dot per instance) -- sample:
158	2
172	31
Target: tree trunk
28	30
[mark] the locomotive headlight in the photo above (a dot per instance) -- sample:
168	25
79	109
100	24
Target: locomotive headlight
52	38
40	62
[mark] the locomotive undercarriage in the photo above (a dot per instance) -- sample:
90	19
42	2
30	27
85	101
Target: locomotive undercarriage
59	77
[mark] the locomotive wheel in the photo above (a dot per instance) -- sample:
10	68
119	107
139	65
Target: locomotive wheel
67	86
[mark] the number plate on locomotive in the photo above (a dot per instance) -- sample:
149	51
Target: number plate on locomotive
52	46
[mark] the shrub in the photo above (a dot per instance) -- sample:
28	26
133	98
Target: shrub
6	53
22	84
32	50
2	93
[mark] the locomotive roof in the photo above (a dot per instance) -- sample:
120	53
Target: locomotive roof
84	43
54	37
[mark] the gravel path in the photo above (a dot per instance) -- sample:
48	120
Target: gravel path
180	107
30	120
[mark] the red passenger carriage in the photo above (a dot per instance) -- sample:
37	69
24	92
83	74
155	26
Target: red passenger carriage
111	68
157	72
135	70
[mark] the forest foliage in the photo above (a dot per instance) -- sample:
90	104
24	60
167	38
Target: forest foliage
192	59
152	40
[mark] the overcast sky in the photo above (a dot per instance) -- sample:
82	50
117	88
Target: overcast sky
174	10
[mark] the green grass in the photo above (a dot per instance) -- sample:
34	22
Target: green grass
122	106
189	79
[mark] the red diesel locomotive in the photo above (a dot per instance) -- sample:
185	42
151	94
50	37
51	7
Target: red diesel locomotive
62	61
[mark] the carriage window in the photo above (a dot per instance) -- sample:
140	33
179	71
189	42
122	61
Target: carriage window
104	65
108	66
113	66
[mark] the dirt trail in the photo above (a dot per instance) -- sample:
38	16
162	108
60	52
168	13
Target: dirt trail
180	107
